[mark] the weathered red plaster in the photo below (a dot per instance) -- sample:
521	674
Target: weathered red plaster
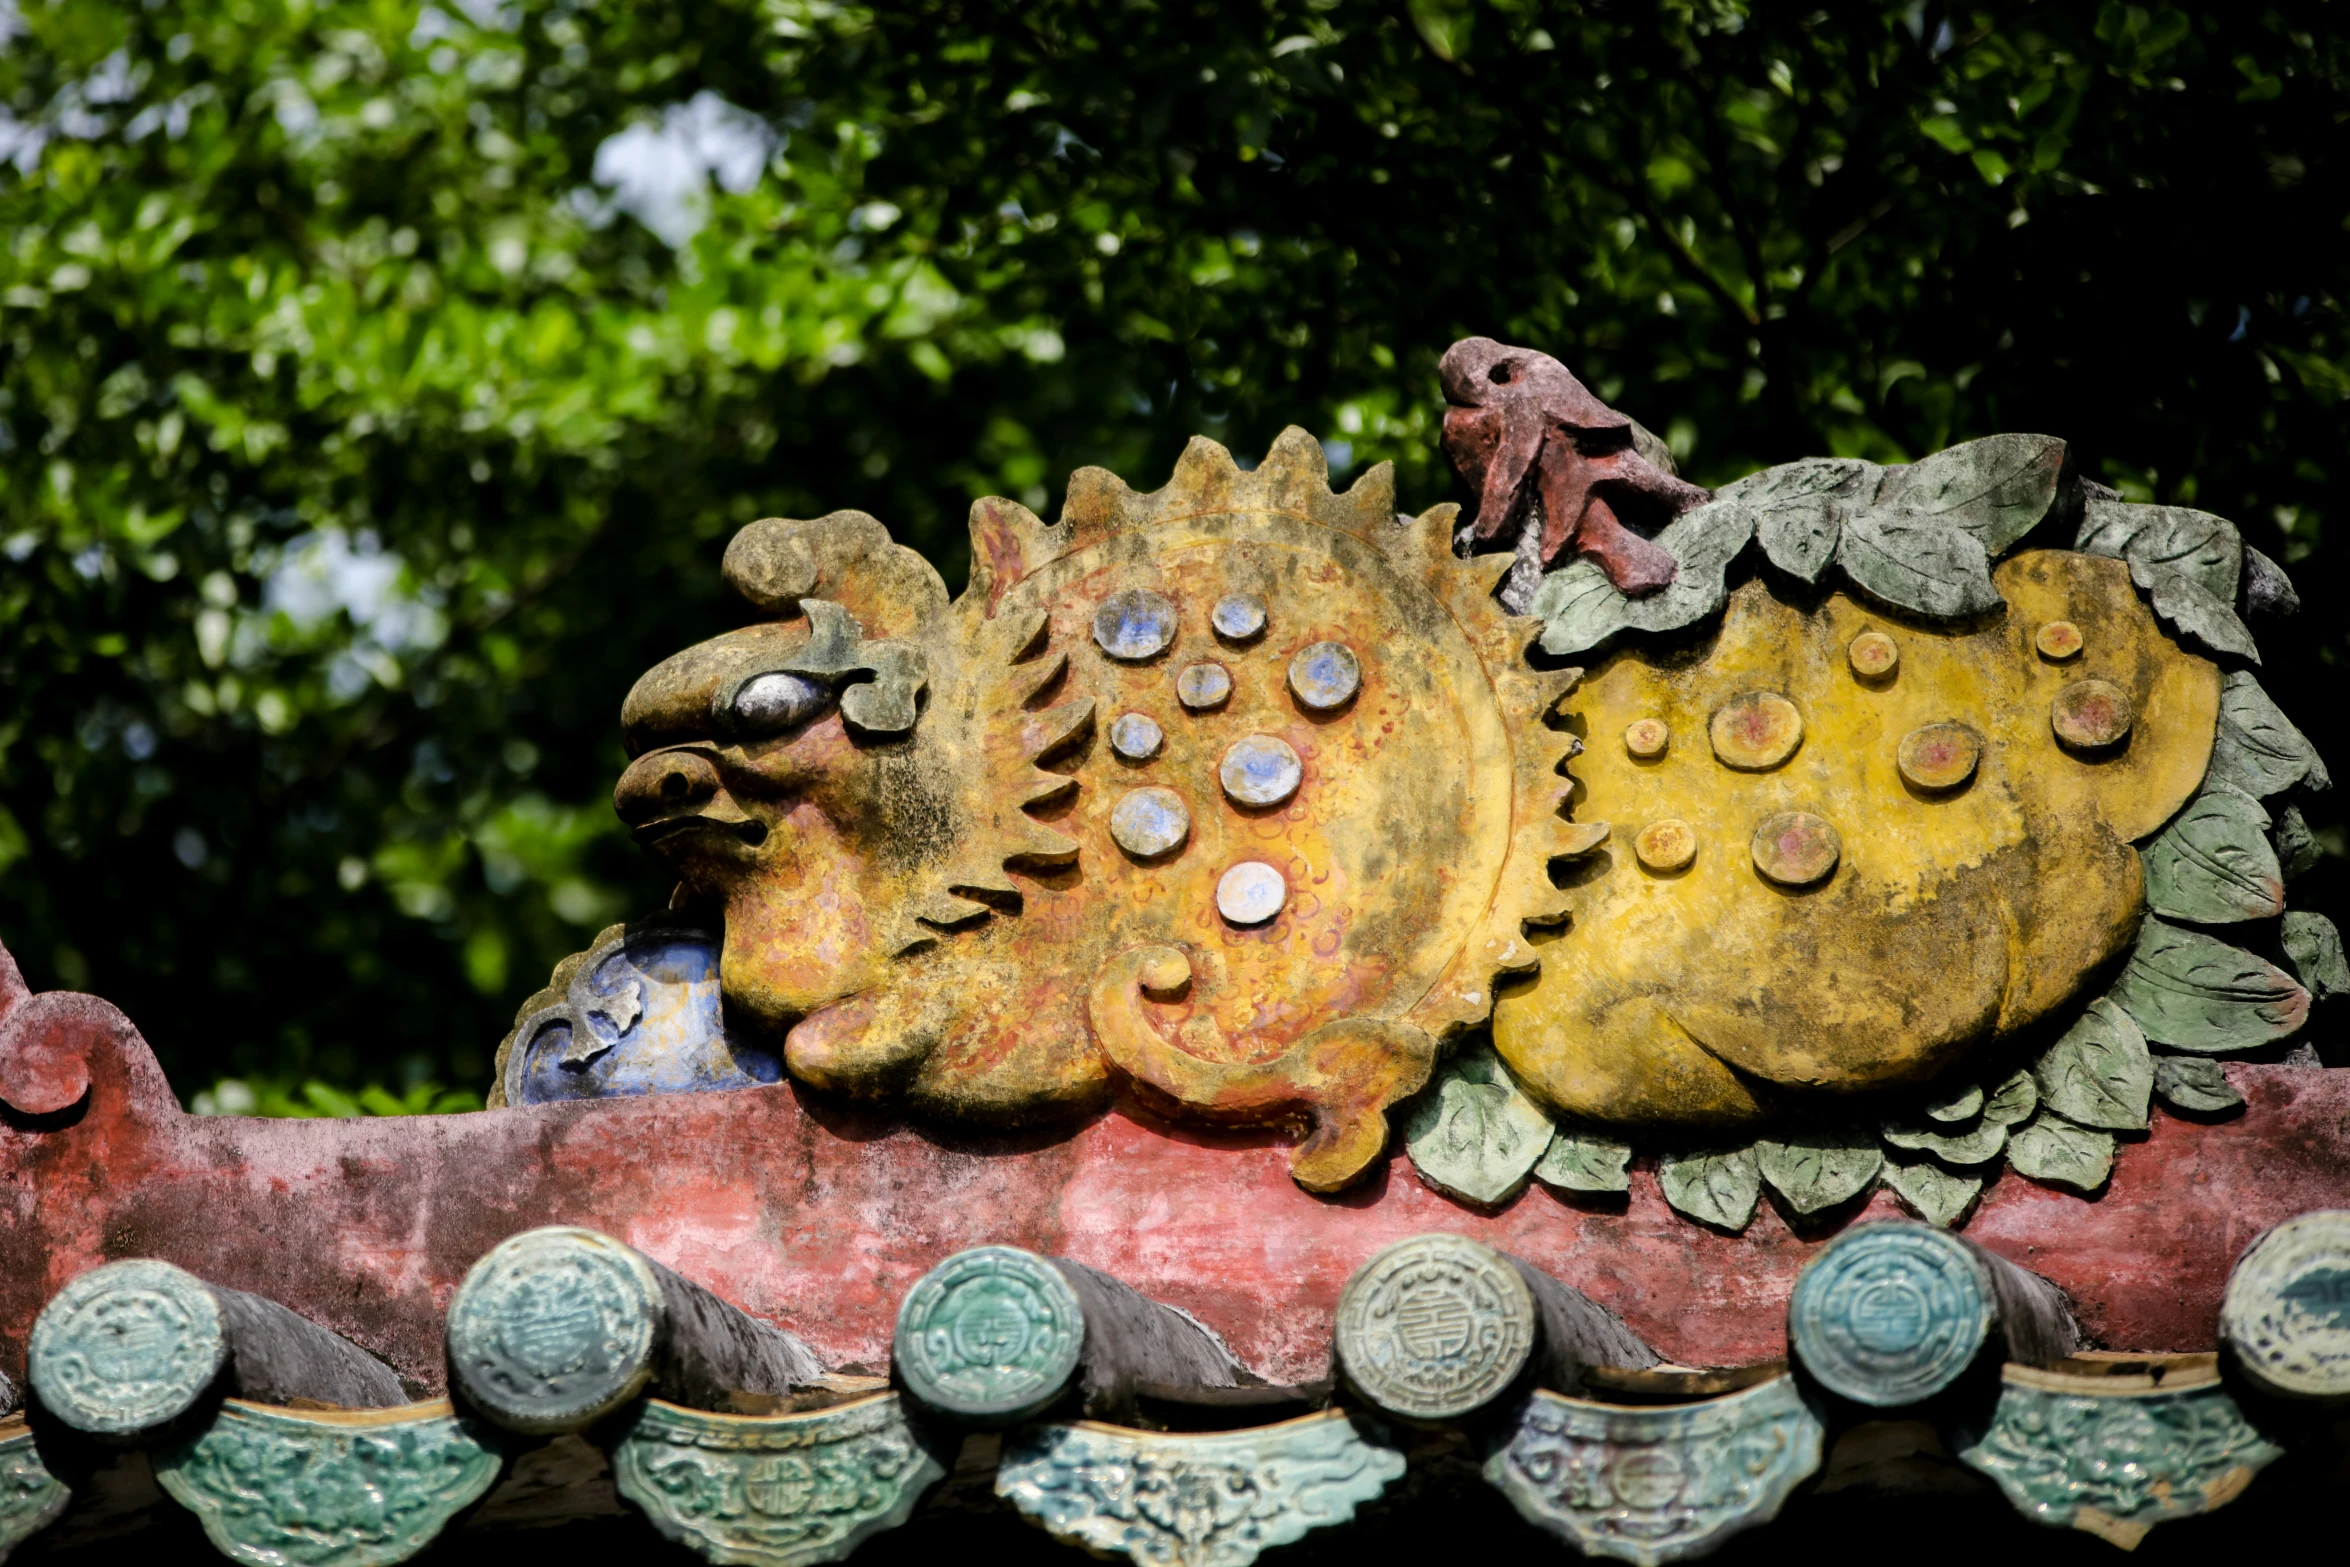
820	1215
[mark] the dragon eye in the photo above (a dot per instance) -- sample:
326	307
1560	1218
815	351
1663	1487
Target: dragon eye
774	704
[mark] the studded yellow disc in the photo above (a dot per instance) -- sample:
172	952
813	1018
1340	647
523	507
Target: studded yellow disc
1647	737
1795	848
1873	654
2059	639
1667	845
1755	730
2091	713
1939	756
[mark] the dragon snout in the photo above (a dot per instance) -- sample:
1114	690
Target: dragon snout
669	791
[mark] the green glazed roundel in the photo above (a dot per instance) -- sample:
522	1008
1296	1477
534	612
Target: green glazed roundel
989	1334
1890	1314
554	1329
126	1348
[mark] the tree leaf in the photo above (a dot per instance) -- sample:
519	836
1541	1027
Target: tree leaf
2053	1149
2204	547
1799	508
1578	607
1916	564
2100	1073
2314	947
1818	1170
1995	488
1585	1162
1720	1186
2297	847
1934	1194
1976	1144
2258	750
2213	863
2194	1083
1964	1105
2195	992
2180	599
2013	1101
1477	1135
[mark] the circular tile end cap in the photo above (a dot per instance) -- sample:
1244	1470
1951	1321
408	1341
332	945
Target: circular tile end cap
2286	1314
992	1334
1890	1313
126	1348
555	1328
2091	714
1755	730
1434	1328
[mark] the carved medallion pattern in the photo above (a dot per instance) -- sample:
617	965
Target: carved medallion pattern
2287	1311
1434	1327
554	1328
30	1496
2116	1464
284	1488
126	1347
993	1332
1656	1485
1190	1500
1890	1313
775	1490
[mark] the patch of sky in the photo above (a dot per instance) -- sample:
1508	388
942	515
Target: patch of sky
660	174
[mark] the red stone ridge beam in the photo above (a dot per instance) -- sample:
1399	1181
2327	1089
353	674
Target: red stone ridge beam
820	1216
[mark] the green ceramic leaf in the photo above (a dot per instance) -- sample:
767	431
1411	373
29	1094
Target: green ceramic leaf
1994	488
2314	947
2297	847
2204	548
1585	1162
2053	1149
2195	992
1578	607
2213	864
1964	1105
1934	1194
1800	540
1799	509
2257	749
1977	1143
2180	600
1820	1169
1917	564
2100	1073
1476	1135
2013	1101
1720	1186
2194	1083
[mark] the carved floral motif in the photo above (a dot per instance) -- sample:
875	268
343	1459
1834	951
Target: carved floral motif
30	1496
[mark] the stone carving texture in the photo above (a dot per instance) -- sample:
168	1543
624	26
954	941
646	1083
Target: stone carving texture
126	1347
1657	1485
1434	1327
774	1491
278	1488
990	1333
554	1327
1889	1313
30	1496
2287	1311
2116	1463
1189	1500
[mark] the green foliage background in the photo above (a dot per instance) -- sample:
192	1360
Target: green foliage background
357	451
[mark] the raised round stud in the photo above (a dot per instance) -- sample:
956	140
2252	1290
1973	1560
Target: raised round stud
126	1348
1238	616
1667	845
1939	756
1434	1328
2091	714
1325	676
1795	848
2286	1314
1873	655
1135	624
1755	730
1260	770
1647	737
2057	640
991	1334
1251	893
1136	736
553	1329
1149	822
1202	686
1890	1314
